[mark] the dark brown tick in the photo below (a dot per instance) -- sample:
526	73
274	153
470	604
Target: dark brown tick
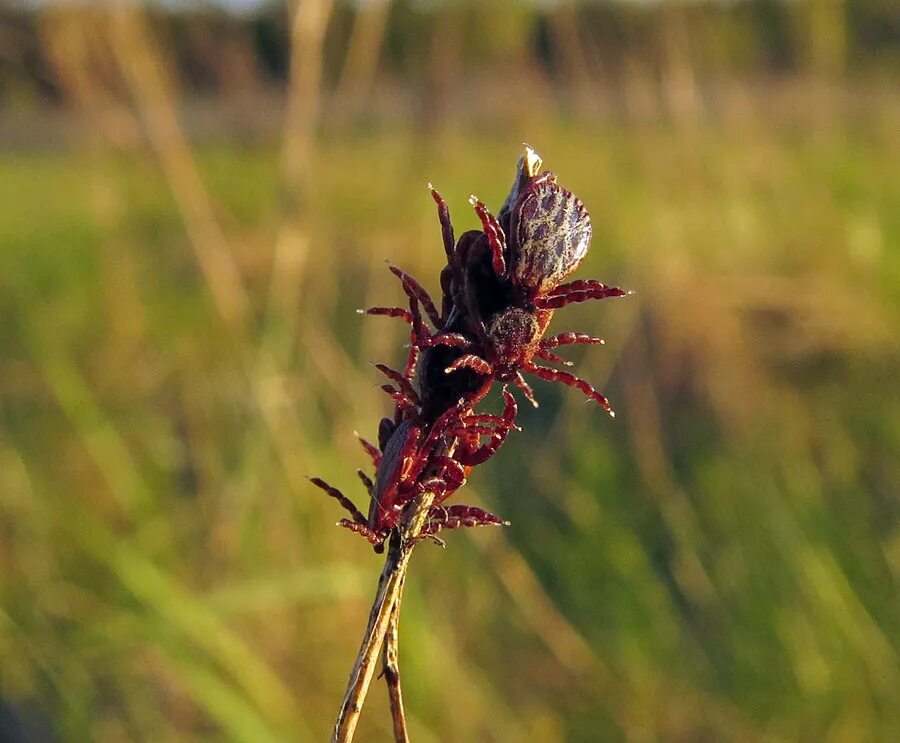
502	285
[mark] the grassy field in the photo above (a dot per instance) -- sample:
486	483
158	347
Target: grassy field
719	562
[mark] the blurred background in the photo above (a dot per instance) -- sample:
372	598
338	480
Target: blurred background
194	199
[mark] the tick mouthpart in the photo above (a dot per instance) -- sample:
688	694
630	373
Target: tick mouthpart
473	199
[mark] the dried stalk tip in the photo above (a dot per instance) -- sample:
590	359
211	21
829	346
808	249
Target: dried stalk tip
532	161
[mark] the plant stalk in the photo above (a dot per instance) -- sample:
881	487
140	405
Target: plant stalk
387	601
391	673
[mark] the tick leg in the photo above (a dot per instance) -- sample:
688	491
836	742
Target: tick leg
370	450
413	358
418	331
414	289
389	312
473	362
508	417
495	236
456	340
348	504
397	481
577	291
520	382
563	339
413	492
485	451
445	421
484	419
366	481
472	516
376	539
476	430
555	375
413	316
452	473
403	402
458	516
497	434
446	224
581	285
434	485
550	356
405	387
567	339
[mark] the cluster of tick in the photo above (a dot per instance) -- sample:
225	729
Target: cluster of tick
500	288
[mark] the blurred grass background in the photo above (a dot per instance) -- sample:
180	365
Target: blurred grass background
193	202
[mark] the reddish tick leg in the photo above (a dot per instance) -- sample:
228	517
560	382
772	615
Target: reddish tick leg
550	356
475	431
414	289
446	224
439	428
348	504
458	516
581	285
520	382
498	435
473	362
477	421
494	234
436	486
568	295
456	340
402	400
389	312
370	450
452	473
484	452
567	339
555	375
508	418
412	359
405	387
376	539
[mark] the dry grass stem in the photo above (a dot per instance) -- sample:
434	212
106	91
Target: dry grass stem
391	673
142	65
390	588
